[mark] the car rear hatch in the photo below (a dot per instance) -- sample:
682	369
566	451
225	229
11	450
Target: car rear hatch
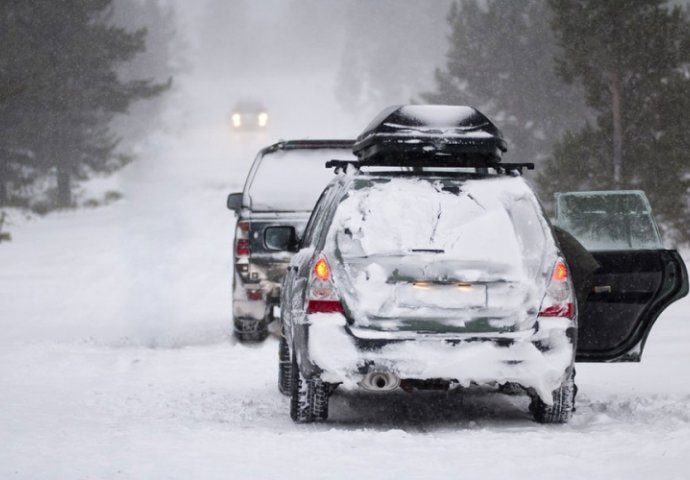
417	293
442	257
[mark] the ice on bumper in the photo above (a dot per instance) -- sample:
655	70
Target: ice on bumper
534	360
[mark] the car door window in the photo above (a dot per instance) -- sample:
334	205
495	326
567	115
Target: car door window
308	239
609	220
636	278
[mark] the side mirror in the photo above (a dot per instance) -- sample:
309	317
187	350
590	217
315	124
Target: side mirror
235	202
281	238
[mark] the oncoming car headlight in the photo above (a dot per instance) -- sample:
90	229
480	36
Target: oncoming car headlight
236	120
262	119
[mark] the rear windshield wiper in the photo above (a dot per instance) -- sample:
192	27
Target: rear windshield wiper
427	250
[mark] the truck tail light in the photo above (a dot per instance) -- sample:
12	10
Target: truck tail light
242	239
242	247
559	300
255	294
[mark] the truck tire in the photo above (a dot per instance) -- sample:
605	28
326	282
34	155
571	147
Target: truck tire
250	330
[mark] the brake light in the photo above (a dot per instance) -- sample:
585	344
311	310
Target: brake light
566	310
322	295
324	306
254	294
559	300
242	247
242	239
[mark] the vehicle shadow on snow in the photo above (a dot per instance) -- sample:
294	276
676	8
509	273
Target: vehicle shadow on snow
428	410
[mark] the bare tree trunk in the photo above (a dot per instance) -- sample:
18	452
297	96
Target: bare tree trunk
3	183
64	187
616	96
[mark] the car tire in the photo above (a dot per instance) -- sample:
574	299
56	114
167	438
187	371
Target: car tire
309	397
284	367
563	403
250	331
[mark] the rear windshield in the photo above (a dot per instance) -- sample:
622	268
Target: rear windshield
292	180
494	220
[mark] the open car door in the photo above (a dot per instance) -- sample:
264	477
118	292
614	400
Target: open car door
636	279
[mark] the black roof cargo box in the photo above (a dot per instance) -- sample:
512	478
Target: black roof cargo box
442	134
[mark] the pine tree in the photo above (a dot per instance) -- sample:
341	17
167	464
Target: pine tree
501	60
162	59
19	71
391	48
632	58
64	56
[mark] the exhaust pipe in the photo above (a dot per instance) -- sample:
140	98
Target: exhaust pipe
380	382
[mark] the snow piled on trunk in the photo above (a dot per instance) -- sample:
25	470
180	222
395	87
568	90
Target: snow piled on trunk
485	235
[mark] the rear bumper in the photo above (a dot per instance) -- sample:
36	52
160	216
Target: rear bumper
247	309
536	359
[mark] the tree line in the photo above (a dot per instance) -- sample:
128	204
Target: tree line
62	82
596	92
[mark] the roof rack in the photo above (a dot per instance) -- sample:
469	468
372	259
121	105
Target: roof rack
306	144
431	162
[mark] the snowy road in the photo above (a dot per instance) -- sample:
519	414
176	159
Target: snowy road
115	362
71	411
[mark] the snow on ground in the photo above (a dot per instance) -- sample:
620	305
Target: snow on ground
116	361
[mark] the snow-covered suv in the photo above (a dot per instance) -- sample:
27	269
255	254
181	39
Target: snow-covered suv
280	191
446	273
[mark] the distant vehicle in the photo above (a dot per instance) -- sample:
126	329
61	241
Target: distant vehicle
249	115
429	265
281	190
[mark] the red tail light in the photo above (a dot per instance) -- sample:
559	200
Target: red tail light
242	247
242	239
324	306
254	294
559	300
566	310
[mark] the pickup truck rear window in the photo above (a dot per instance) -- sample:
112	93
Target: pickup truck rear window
292	180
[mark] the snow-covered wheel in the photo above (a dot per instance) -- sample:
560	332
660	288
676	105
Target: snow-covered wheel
284	367
309	397
250	330
563	403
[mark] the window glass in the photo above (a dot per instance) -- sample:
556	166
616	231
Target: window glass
308	239
468	220
608	220
291	180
